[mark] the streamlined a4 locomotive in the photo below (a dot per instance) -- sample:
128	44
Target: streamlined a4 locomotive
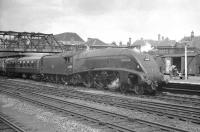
111	68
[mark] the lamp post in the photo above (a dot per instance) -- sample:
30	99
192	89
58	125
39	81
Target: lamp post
187	42
186	61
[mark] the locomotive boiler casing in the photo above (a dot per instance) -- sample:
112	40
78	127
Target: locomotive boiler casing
125	61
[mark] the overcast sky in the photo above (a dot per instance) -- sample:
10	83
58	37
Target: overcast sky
108	20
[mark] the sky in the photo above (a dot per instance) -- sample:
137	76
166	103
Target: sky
108	20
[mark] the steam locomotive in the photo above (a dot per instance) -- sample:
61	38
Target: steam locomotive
111	68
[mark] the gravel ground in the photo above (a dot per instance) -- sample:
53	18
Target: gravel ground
134	114
65	124
140	115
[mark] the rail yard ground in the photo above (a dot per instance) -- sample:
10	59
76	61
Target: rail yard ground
36	118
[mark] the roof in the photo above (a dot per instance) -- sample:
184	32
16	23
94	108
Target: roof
155	43
30	58
95	42
194	43
11	59
68	36
180	55
171	43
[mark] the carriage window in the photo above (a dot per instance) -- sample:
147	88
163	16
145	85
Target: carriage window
32	64
28	64
68	59
35	63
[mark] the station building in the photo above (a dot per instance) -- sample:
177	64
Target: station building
169	52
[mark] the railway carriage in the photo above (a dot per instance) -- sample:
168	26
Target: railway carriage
2	66
28	67
10	66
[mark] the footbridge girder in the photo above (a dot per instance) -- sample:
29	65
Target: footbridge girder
11	41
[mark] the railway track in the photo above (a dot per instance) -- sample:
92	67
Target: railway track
6	125
179	99
171	111
173	98
108	120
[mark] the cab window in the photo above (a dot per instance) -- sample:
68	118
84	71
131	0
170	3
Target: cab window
68	59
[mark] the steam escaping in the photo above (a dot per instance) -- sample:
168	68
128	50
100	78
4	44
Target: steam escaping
136	50
114	84
144	48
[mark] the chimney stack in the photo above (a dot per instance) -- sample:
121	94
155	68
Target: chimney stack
129	42
158	37
163	37
120	43
192	35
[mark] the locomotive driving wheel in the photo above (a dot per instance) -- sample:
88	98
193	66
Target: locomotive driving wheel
124	87
139	90
98	84
88	81
100	79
